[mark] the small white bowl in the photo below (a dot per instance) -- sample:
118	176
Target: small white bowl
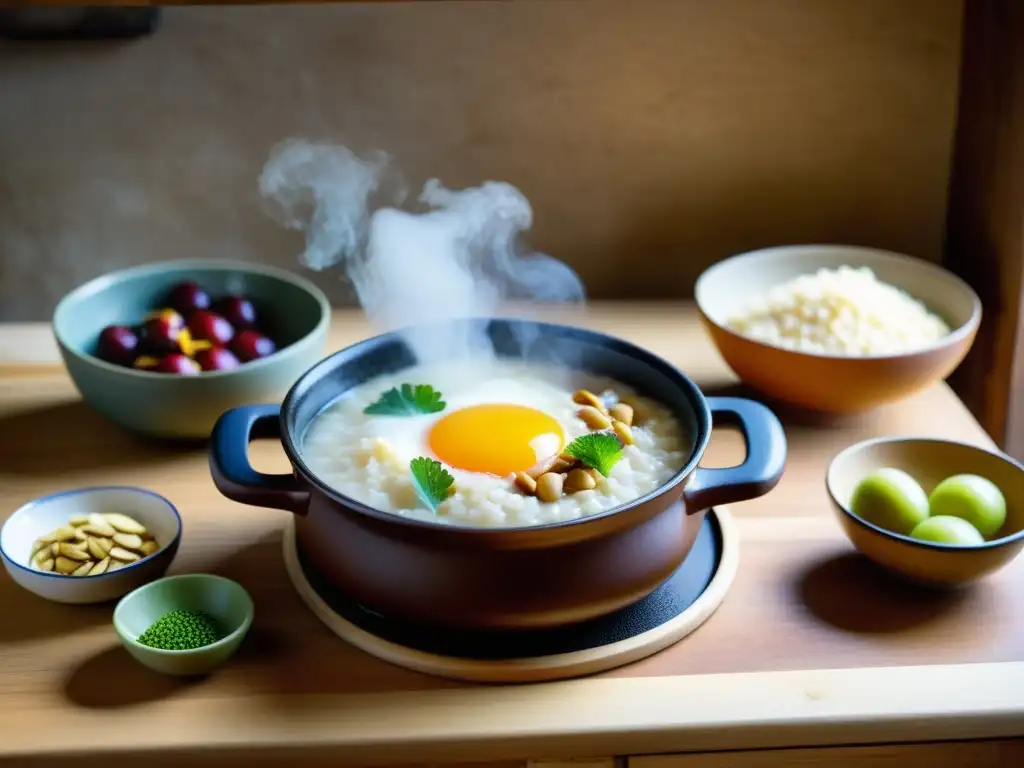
43	515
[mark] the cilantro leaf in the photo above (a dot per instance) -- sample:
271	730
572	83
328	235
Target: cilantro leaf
409	400
431	480
600	450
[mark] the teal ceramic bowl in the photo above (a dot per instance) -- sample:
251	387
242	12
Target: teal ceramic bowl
293	310
223	600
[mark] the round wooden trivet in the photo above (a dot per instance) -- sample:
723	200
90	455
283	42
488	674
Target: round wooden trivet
666	616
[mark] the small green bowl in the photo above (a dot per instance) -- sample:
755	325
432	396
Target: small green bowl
224	600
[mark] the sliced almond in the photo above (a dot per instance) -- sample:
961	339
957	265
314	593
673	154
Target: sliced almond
38	544
55	548
624	433
80	535
100	567
123	555
549	487
103	531
72	552
593	418
84	569
641	411
128	540
125	524
562	466
579	480
114	565
46	565
64	534
622	412
96	550
542	466
106	544
41	555
48	538
77	520
66	565
586	397
149	547
525	483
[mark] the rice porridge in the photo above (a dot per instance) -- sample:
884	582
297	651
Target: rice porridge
847	311
496	445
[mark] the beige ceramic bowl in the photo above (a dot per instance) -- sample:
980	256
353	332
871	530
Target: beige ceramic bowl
929	462
831	383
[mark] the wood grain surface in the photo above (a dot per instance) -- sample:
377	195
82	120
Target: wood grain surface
774	663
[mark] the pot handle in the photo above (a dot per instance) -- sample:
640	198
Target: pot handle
232	473
760	471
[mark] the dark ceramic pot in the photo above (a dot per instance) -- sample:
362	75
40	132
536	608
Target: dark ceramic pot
505	578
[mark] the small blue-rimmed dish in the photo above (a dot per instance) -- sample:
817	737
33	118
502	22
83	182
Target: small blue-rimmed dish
929	461
44	515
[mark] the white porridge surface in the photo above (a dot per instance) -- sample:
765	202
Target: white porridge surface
846	311
367	456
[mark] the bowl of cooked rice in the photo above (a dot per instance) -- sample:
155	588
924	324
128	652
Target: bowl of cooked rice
835	328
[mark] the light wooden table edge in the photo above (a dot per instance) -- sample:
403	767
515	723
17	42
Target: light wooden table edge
587	717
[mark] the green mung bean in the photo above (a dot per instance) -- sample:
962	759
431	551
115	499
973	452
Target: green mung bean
181	631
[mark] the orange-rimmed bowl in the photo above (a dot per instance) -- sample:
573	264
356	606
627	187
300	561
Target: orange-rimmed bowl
834	383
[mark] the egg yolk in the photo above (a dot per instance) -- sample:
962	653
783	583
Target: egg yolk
497	439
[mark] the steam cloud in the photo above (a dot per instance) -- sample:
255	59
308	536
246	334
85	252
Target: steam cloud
460	257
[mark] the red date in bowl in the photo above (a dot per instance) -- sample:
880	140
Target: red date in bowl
189	333
181	397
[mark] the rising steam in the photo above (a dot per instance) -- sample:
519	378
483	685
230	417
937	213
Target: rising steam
460	257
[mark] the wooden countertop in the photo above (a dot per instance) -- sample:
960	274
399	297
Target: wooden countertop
811	647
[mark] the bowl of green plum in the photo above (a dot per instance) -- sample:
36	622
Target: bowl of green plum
933	511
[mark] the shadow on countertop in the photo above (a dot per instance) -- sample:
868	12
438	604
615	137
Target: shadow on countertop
792	416
32	617
71	437
852	594
112	679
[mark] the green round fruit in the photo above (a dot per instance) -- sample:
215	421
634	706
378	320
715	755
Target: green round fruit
972	498
890	499
944	529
